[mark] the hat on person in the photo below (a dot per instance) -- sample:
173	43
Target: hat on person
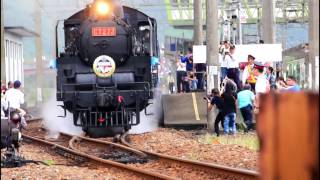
250	56
258	65
16	84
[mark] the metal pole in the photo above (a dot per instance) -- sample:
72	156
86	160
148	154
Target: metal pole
212	51
197	37
284	30
268	22
38	44
313	38
3	62
258	25
240	26
234	30
229	29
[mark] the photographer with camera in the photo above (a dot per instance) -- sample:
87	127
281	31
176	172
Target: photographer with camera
215	99
16	97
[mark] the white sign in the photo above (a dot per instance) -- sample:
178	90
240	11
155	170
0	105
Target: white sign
199	54
262	52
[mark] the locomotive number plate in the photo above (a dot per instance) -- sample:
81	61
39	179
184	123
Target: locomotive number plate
104	31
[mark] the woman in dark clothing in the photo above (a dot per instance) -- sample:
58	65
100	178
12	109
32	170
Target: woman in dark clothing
229	108
218	101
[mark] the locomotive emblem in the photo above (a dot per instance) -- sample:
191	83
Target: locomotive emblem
104	66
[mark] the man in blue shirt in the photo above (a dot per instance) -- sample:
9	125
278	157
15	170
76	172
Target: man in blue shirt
291	85
245	101
188	59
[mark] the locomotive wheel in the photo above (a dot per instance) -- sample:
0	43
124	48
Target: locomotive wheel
116	138
104	132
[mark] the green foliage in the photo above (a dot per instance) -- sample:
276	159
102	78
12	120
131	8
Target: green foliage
245	140
49	162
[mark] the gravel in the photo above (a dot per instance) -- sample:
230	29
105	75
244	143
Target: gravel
62	168
187	145
183	144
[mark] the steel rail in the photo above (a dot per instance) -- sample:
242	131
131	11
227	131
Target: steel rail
140	172
248	174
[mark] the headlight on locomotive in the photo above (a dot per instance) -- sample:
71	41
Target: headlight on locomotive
102	8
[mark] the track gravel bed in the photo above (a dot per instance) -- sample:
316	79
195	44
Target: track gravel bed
186	145
61	168
182	144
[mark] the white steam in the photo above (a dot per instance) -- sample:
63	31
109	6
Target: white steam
55	124
149	123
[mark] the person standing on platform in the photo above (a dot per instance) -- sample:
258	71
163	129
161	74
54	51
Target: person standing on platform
248	74
271	77
170	81
233	71
262	85
223	64
181	74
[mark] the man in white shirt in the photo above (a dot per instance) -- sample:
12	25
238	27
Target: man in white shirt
262	84
181	73
15	97
233	67
224	49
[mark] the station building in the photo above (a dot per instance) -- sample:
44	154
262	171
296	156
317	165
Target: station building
13	52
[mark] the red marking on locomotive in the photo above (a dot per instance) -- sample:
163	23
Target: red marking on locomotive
103	31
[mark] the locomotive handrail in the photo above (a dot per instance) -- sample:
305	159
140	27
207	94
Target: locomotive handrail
151	36
57	42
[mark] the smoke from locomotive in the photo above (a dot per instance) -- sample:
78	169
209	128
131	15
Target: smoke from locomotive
105	75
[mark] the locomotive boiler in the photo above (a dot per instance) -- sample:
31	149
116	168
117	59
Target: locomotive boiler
104	75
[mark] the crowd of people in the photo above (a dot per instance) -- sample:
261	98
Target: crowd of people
190	77
12	97
256	79
240	88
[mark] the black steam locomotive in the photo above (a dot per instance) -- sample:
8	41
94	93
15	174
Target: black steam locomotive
105	74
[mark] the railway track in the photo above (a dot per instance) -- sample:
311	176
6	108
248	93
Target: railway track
146	164
209	168
69	146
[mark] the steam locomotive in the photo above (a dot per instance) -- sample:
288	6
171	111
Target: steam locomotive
104	75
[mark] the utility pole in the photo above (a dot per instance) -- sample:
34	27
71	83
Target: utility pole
258	25
3	62
212	51
197	37
240	26
313	40
268	22
39	60
284	30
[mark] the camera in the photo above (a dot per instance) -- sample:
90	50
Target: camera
206	98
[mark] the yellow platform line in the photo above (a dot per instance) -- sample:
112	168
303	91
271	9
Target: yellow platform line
195	107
